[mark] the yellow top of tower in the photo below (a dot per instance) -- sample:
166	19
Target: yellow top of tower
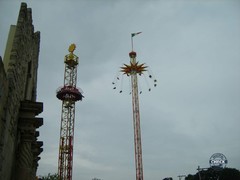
71	48
71	59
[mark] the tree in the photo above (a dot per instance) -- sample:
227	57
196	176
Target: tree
49	177
230	173
212	174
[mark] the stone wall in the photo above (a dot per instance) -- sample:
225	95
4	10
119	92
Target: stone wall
19	148
3	100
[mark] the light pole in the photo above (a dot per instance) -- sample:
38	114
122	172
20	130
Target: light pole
180	176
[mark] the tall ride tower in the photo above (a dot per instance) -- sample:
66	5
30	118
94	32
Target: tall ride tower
133	70
68	94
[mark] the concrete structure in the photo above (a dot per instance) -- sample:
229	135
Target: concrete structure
19	148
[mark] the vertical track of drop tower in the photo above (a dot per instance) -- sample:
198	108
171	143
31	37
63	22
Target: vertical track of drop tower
68	94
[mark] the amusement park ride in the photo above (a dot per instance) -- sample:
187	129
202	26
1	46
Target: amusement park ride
68	94
135	69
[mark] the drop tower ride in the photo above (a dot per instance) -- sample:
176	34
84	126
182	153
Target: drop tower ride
68	94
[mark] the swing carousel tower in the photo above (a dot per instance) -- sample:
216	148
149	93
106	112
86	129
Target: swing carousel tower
68	94
133	70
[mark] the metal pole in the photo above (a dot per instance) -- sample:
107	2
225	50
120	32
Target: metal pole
137	131
199	172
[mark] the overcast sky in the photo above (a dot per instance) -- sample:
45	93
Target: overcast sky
193	49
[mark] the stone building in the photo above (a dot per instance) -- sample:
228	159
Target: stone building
19	147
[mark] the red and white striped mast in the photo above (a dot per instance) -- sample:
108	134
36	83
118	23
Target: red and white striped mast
134	69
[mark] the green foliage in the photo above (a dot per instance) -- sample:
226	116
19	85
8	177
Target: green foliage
230	173
49	177
224	174
55	177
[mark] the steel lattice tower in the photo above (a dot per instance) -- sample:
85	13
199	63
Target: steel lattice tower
133	70
68	94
